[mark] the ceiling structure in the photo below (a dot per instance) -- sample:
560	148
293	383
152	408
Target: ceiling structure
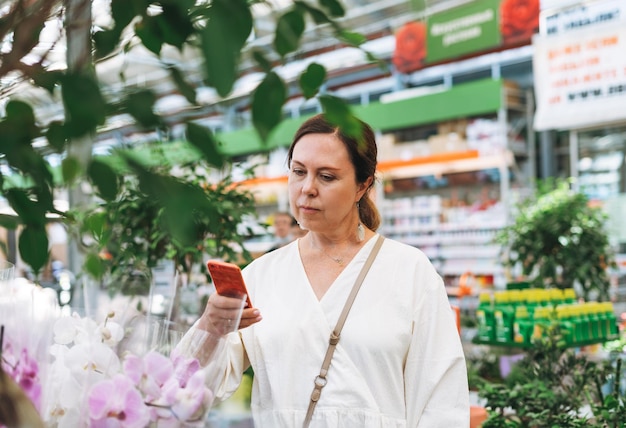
139	68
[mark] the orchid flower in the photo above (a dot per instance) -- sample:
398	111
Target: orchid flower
116	402
188	402
90	385
149	373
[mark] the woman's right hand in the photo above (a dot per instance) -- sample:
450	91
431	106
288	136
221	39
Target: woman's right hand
223	315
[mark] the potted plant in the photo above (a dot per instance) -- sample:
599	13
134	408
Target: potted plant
559	240
131	234
554	386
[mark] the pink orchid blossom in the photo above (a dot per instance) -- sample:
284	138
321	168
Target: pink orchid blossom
184	367
24	370
189	402
149	373
117	403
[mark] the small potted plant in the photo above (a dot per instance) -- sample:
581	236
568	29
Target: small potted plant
559	240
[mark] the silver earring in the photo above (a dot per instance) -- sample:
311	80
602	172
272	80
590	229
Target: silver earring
360	232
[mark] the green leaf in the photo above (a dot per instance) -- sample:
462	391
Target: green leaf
96	224
20	114
104	178
267	102
180	202
182	5
44	197
94	265
56	136
46	79
175	25
122	12
84	104
150	35
105	42
202	138
28	210
238	16
289	30
312	79
352	38
33	246
186	90
338	113
381	63
139	105
319	17
262	60
228	27
9	221
334	7
70	169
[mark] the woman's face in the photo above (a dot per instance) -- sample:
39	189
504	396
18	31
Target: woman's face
323	191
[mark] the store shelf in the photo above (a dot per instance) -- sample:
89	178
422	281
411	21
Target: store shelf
458	162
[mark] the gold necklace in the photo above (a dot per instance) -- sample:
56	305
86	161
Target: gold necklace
338	260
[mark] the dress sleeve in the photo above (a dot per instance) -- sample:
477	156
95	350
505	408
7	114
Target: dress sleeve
223	363
435	376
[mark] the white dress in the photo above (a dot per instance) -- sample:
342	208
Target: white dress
399	362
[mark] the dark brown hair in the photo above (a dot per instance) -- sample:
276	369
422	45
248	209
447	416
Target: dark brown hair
363	153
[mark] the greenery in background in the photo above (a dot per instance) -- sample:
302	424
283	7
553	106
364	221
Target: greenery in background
218	30
560	241
555	387
133	235
483	366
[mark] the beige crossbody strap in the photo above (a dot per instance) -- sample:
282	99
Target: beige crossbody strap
320	380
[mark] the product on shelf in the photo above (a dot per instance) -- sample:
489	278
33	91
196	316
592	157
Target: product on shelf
517	317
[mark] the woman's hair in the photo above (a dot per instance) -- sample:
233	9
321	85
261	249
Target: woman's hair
363	153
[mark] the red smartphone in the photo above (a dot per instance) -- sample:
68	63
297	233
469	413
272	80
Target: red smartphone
228	280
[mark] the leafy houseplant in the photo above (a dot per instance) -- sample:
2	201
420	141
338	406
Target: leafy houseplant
552	386
560	241
132	234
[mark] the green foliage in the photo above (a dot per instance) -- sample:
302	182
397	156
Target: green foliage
168	209
550	387
559	240
153	218
312	79
482	367
271	92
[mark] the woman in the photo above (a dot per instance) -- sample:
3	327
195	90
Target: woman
399	362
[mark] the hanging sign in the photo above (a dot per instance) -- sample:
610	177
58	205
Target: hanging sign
581	16
465	30
580	78
470	28
410	51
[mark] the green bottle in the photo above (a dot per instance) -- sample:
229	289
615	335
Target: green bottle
584	326
515	298
503	317
603	322
569	296
522	326
556	297
564	316
543	297
579	323
484	316
541	320
532	300
612	328
594	321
